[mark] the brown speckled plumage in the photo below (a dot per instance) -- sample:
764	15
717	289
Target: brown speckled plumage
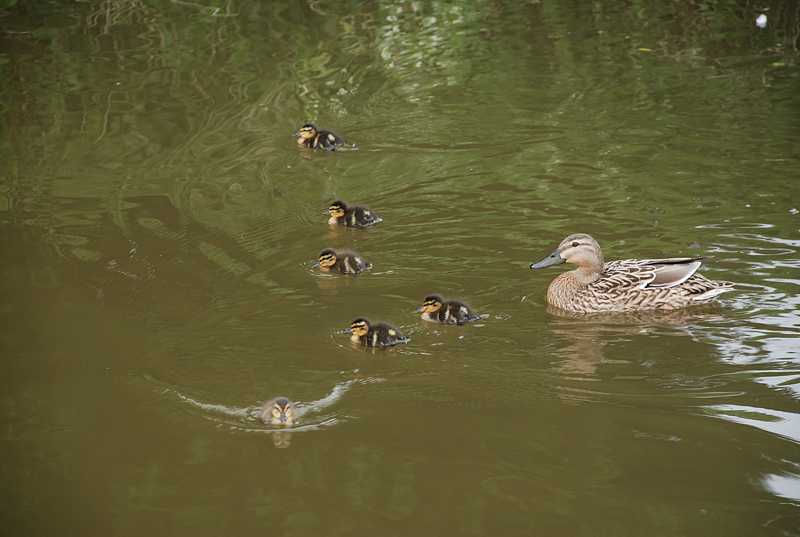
626	285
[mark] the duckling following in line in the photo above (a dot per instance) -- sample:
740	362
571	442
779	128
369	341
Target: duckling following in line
310	136
343	262
438	310
341	214
374	335
626	285
278	411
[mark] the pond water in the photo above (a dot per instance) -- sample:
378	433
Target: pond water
159	226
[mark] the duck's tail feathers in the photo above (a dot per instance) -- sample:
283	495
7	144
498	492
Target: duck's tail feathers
723	287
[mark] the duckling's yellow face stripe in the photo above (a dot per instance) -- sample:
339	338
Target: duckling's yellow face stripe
336	211
359	329
431	307
306	133
282	414
327	261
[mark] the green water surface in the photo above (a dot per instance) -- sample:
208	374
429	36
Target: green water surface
158	226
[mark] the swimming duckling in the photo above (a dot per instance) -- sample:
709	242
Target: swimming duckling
625	285
351	216
343	262
374	335
278	411
434	308
310	136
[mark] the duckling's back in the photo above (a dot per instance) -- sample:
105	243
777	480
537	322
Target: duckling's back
351	263
383	335
456	312
361	217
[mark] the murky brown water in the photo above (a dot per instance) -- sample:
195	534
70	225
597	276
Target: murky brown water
158	227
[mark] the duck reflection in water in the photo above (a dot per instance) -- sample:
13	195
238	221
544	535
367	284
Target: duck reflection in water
281	439
586	336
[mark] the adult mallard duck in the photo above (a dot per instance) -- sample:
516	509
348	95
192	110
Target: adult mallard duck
626	285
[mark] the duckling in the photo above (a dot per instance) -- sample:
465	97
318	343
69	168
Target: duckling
434	308
310	136
374	335
351	216
278	411
343	262
625	285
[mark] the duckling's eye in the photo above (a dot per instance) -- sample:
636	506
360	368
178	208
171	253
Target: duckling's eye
276	412
575	244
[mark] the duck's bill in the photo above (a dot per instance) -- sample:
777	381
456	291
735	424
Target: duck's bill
419	309
315	264
345	331
552	259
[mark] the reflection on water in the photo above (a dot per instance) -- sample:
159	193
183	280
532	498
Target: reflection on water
585	335
786	424
158	222
787	486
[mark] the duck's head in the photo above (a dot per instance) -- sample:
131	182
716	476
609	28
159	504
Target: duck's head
431	304
579	249
358	327
327	258
282	411
306	132
337	209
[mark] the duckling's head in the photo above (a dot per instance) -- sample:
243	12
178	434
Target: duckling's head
327	258
307	131
359	327
337	209
282	411
579	249
431	304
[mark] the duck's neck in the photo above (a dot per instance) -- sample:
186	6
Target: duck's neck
587	275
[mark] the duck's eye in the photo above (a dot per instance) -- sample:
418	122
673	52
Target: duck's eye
575	244
276	412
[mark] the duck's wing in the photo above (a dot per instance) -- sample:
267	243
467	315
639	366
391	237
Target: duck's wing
651	273
673	272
